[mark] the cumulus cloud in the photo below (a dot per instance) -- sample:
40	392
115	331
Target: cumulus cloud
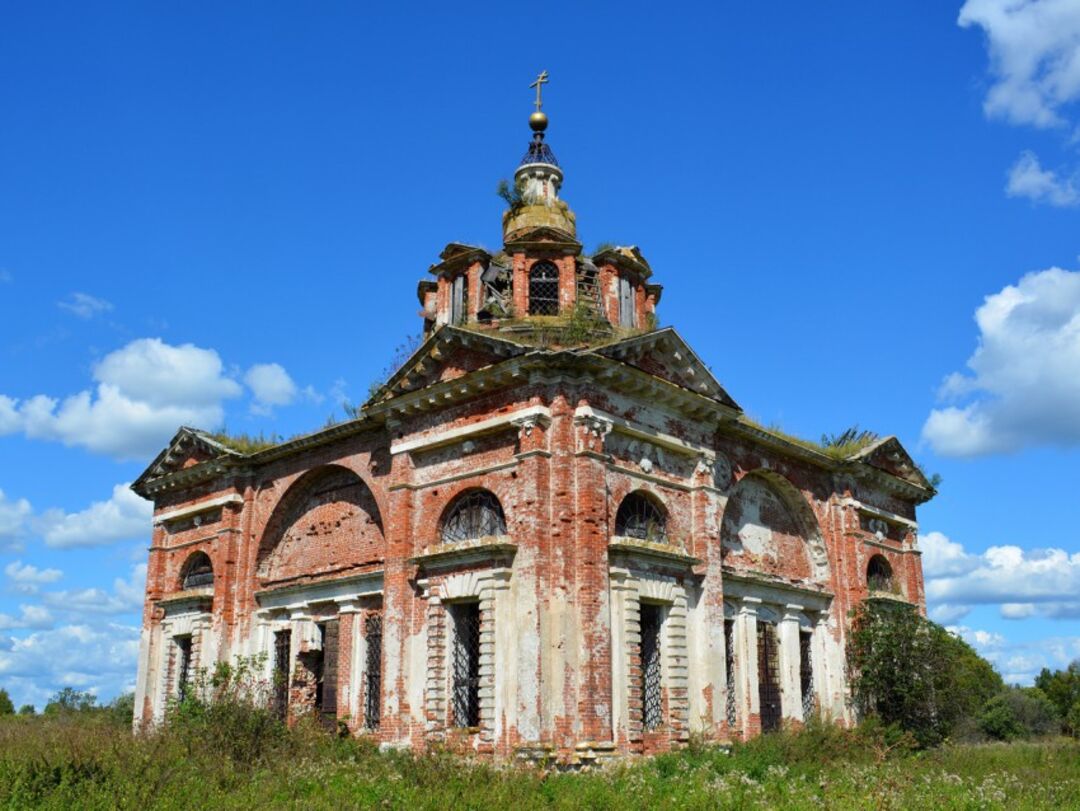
100	658
1021	582
123	517
30	616
20	572
144	392
1034	48
126	596
1020	662
1023	384
84	305
1028	179
13	518
271	386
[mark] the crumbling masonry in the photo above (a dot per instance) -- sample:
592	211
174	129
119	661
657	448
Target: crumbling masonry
550	533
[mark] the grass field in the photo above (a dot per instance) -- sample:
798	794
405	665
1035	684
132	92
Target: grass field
91	761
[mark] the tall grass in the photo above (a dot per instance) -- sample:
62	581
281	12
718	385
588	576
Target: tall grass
231	761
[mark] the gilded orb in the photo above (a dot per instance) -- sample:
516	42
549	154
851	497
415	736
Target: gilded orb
538	121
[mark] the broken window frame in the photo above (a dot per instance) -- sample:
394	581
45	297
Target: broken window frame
197	571
184	649
879	574
640	516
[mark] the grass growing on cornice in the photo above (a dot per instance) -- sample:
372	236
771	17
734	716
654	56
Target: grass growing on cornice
245	443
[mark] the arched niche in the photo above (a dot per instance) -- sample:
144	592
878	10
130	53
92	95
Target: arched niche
879	574
326	521
643	516
768	528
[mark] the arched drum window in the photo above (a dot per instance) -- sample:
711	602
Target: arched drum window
198	571
473	514
544	289
641	517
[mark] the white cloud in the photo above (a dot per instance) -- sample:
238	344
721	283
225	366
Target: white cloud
1028	179
13	518
271	385
1017	611
1020	662
1034	48
123	517
1024	382
100	658
30	616
20	572
145	391
127	596
1022	582
84	305
948	614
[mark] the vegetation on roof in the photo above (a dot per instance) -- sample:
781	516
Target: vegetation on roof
246	443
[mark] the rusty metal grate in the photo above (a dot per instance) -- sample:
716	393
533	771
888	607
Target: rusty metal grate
183	648
474	514
642	518
282	648
729	664
373	671
768	677
806	675
465	663
652	708
544	289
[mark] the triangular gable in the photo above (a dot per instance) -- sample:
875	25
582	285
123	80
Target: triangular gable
188	448
448	353
889	455
666	355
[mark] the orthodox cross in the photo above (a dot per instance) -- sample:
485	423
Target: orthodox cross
541	80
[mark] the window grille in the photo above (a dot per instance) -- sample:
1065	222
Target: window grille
768	677
465	663
282	648
183	671
544	289
198	571
327	675
373	671
879	576
652	710
729	662
806	675
475	514
641	517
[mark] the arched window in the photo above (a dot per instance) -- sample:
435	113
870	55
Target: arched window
879	575
544	289
198	571
473	514
641	517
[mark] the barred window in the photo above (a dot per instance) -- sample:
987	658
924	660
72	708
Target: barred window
197	571
465	664
373	671
544	289
183	668
729	662
806	675
641	517
652	708
473	514
282	650
879	576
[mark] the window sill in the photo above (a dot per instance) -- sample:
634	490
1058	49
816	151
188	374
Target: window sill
663	551
492	547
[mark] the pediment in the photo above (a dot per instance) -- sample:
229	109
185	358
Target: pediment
664	354
448	353
889	455
190	447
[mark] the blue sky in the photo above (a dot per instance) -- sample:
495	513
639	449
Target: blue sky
861	213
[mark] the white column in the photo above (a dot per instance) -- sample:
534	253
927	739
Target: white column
621	586
746	671
790	690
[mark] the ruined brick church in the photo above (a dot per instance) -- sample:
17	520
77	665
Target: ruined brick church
550	533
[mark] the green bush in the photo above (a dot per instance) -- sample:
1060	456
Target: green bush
910	672
6	707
